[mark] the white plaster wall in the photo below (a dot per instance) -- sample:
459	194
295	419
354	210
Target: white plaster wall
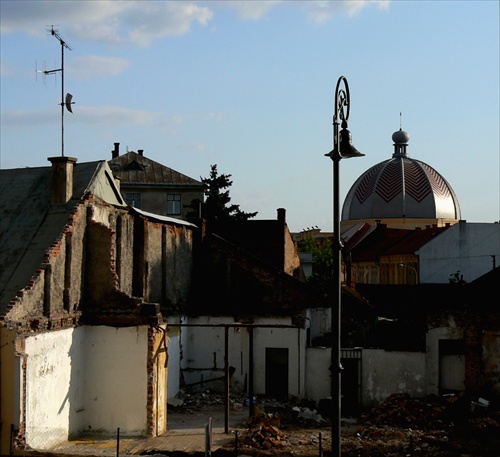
385	373
88	380
116	380
174	361
320	321
291	339
203	353
202	350
50	389
450	331
318	381
466	247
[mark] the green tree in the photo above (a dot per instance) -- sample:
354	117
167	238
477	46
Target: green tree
217	207
322	256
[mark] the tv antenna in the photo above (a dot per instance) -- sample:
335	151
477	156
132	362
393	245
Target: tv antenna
66	101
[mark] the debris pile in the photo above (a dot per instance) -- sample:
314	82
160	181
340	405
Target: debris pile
264	433
403	411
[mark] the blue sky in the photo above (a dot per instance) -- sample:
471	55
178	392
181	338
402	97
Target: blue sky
249	86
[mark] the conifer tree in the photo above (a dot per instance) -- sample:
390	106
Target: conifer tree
218	207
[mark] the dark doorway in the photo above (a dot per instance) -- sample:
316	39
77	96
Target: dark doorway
451	366
351	382
277	373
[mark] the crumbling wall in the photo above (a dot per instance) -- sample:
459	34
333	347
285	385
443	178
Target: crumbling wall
292	259
388	372
491	360
178	264
444	328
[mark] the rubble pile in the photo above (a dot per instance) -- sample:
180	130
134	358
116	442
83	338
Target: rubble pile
263	433
403	411
438	426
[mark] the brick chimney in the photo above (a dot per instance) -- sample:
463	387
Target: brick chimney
282	215
115	152
62	179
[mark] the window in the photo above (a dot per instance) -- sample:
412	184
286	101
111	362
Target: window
133	200
173	204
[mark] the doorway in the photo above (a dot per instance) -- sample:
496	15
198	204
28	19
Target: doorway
277	373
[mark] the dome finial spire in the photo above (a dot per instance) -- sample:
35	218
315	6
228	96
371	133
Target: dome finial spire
400	139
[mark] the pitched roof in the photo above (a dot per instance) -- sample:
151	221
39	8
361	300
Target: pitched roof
135	169
390	241
29	224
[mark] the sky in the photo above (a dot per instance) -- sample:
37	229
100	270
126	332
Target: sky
249	86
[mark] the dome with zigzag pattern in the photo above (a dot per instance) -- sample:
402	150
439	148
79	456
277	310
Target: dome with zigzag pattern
401	188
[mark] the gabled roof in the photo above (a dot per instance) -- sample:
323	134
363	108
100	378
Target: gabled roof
356	234
390	241
29	224
135	169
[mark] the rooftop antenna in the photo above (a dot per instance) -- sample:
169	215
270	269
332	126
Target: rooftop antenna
65	101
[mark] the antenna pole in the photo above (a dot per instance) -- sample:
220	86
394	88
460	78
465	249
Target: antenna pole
63	45
62	95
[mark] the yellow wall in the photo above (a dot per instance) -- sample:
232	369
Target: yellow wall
8	379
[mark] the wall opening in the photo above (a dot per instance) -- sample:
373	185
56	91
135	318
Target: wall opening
277	373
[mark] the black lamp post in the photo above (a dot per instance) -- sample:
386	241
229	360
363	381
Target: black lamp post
342	148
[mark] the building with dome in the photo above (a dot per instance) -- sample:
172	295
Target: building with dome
401	192
386	203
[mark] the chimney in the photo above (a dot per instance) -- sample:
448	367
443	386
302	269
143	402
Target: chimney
282	215
62	179
115	152
140	152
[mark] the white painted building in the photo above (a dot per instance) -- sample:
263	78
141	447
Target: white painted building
77	380
471	249
272	348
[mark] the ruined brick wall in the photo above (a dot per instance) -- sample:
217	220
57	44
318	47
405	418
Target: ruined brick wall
95	262
292	259
491	360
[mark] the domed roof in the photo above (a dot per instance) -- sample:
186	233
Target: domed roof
401	187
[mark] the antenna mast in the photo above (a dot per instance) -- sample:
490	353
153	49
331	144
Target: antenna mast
64	102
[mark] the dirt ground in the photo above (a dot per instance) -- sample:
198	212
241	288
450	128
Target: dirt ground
401	426
376	441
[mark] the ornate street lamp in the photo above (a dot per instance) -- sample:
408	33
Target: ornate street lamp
342	148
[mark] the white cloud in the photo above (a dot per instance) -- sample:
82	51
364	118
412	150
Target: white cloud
139	22
322	11
319	11
250	9
89	115
92	66
116	115
159	19
108	21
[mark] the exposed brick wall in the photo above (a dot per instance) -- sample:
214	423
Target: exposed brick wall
150	407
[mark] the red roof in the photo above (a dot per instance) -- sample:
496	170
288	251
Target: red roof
391	241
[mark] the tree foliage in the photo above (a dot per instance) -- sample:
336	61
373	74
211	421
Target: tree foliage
218	207
322	256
